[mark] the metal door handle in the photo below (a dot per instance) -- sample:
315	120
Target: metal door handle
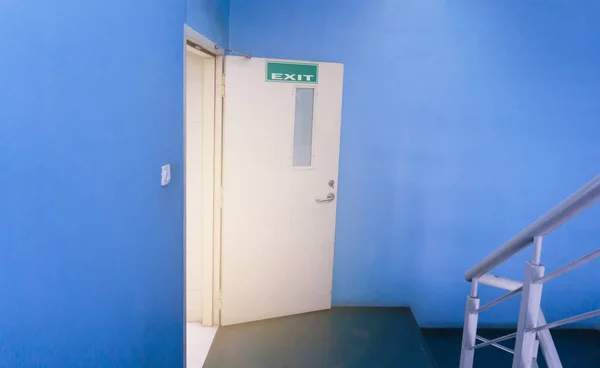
330	197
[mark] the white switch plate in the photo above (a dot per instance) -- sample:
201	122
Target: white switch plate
165	177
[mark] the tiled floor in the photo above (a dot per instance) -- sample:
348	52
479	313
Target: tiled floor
198	343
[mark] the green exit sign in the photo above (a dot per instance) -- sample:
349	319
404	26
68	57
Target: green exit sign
292	72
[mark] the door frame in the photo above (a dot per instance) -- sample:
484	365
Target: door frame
212	193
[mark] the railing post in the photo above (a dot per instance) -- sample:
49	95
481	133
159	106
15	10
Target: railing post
547	344
536	348
529	310
467	353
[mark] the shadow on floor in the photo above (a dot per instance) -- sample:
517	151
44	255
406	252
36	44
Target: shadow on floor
577	348
337	338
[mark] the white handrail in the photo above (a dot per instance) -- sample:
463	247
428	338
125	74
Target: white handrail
499	282
496	340
585	259
566	321
500	300
501	347
533	331
565	210
545	338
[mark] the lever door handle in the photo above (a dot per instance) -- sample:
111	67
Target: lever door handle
330	197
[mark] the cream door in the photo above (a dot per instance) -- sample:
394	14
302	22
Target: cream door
281	139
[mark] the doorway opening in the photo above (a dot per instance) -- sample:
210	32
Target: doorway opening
260	187
199	101
202	122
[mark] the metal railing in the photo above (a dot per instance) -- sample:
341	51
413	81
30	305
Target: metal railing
533	332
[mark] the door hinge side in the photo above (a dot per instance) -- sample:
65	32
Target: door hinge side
222	90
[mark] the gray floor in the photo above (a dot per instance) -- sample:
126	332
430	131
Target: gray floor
341	337
372	338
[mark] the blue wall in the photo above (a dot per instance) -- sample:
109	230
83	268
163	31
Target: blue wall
91	247
463	121
211	18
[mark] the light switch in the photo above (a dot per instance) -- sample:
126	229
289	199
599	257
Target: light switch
165	177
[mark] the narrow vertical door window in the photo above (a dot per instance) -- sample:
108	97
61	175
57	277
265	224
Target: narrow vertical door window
303	127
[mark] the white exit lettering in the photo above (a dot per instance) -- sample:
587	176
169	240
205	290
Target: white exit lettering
292	77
